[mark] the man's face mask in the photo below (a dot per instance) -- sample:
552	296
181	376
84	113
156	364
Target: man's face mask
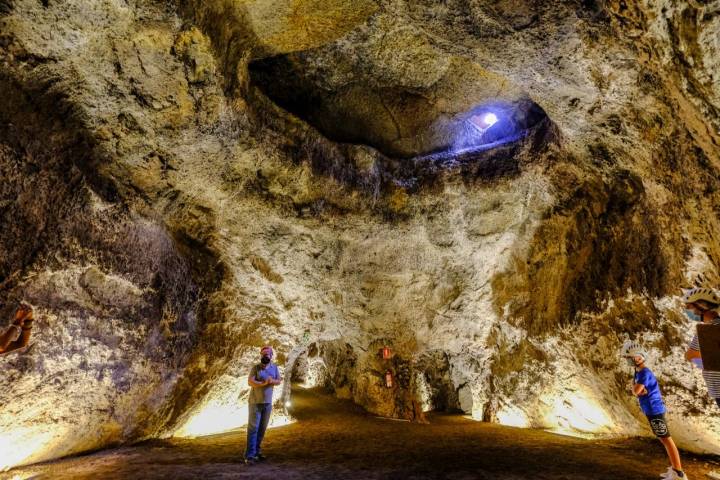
265	359
692	315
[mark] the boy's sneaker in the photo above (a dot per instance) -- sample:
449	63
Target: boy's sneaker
251	460
667	473
672	475
260	457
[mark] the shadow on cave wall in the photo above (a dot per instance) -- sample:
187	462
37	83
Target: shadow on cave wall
41	160
603	239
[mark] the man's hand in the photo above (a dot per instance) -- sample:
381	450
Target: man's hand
19	319
691	354
22	314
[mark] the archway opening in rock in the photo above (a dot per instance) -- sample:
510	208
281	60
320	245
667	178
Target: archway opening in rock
306	369
402	385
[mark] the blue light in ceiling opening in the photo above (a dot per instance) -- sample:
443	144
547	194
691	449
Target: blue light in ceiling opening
482	128
485	127
483	122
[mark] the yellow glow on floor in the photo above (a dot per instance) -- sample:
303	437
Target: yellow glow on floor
215	417
577	415
280	420
24	476
512	417
17	447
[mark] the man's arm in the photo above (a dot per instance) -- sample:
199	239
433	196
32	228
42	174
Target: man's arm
690	354
26	331
11	338
25	335
251	379
253	383
6	338
277	379
19	339
693	350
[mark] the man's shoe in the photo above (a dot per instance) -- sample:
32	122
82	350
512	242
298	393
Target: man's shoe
251	460
260	457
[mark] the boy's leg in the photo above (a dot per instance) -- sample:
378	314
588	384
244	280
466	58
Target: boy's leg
660	429
265	409
252	430
672	452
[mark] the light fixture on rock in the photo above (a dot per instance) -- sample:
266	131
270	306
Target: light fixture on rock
388	379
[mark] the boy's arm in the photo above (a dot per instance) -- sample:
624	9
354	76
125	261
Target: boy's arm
639	382
639	390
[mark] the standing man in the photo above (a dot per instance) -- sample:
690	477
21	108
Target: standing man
701	305
263	377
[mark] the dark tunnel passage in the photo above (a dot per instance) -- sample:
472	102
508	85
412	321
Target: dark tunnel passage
400	123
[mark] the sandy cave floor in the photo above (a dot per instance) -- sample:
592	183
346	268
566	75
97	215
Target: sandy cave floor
336	439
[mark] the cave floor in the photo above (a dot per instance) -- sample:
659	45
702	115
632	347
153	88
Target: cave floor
336	439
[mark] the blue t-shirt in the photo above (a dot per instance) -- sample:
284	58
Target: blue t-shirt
652	403
260	374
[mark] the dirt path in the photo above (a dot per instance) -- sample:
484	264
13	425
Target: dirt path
337	440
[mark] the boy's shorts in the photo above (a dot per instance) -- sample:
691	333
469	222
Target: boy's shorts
659	425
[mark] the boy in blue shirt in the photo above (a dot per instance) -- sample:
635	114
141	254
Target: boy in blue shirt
645	388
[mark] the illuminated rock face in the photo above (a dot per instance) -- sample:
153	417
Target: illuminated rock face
167	216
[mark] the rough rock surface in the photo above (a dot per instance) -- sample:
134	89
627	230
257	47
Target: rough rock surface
183	182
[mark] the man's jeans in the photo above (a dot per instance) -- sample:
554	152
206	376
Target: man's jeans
259	415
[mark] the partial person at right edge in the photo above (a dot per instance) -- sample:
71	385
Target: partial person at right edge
701	305
17	335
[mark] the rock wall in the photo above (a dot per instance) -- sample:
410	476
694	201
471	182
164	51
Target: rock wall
184	182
